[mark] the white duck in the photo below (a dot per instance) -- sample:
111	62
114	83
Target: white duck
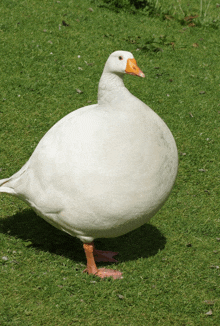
104	169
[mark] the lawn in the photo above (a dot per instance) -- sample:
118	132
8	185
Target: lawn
52	56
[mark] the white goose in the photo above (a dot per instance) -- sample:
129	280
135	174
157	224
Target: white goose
104	169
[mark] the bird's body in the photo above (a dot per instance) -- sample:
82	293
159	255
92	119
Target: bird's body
103	170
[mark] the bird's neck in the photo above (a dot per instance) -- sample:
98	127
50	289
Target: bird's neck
111	88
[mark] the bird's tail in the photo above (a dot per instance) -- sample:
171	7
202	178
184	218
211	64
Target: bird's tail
4	187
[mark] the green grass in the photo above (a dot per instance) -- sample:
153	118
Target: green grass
192	13
170	266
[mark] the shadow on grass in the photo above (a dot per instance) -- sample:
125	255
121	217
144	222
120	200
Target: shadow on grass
143	242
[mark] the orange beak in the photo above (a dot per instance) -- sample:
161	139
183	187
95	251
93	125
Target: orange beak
133	69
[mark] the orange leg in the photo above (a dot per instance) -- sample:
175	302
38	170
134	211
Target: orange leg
91	265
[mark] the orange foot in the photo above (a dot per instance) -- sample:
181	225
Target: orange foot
105	256
103	272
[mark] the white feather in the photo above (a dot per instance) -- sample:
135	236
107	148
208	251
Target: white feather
103	170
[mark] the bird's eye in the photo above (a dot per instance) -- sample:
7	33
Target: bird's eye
120	57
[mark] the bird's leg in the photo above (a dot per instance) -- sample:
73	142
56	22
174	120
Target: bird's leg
91	265
105	256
